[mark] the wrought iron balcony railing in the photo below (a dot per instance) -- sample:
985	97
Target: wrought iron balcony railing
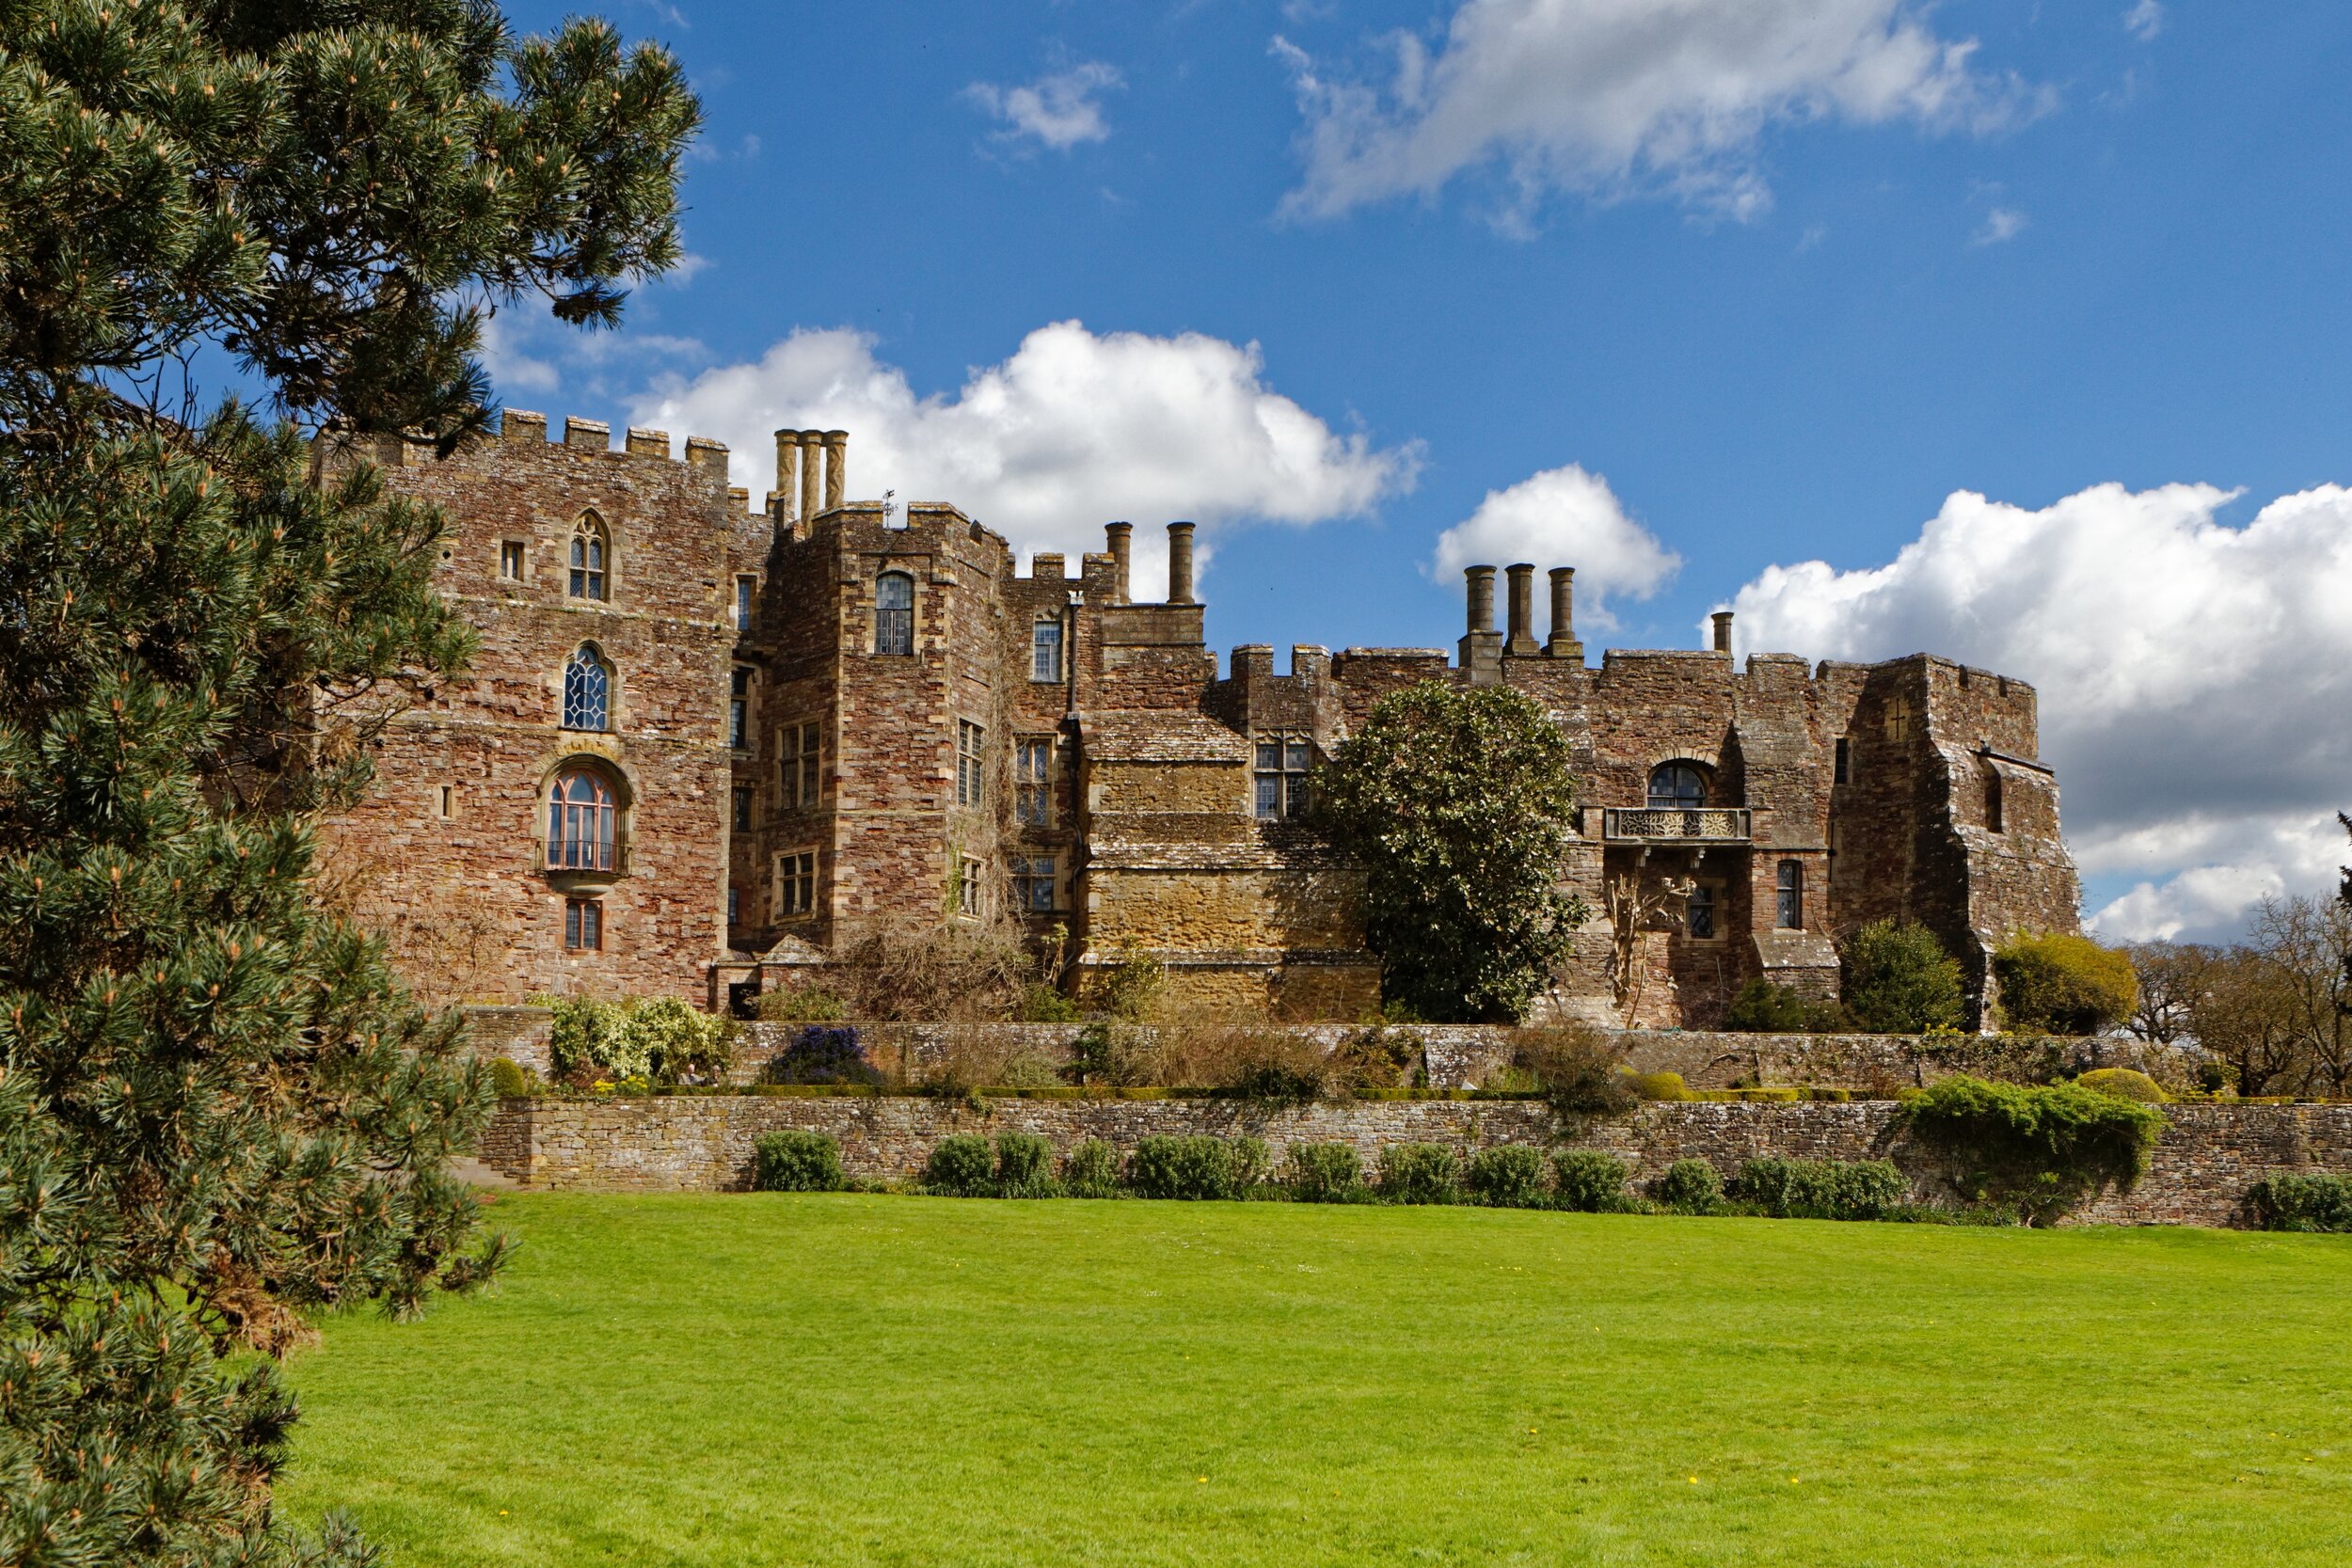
1654	825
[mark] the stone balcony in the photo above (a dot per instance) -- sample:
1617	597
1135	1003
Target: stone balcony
1652	825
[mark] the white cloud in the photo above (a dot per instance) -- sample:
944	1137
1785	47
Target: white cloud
1074	430
1610	96
1060	110
2145	19
1562	517
2001	225
2193	676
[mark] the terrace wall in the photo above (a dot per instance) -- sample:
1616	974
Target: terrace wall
2210	1156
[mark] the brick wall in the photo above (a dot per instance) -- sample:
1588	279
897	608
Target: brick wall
2210	1156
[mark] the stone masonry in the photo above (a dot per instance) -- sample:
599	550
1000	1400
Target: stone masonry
826	714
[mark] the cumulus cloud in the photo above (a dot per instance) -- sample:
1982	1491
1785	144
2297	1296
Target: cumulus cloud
1615	96
1074	430
1563	517
1059	110
2193	675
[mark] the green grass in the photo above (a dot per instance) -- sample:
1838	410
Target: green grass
839	1380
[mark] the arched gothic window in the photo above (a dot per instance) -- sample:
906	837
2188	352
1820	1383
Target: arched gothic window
582	821
591	546
1677	787
894	613
587	691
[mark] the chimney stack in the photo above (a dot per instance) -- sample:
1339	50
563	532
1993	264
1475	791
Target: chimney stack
1122	537
1520	644
787	475
812	472
1180	563
836	467
1563	643
1481	648
1482	597
1723	631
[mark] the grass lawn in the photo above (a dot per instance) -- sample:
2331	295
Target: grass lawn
767	1379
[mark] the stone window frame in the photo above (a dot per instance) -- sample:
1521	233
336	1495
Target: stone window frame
590	560
1278	788
894	625
1033	781
740	708
799	763
971	887
794	872
514	559
1789	895
1033	875
971	764
587	702
1841	765
583	925
740	802
746	610
734	906
1697	773
1716	901
1046	633
605	812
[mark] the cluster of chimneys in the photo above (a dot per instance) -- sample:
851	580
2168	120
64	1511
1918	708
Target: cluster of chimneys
1122	537
812	465
1520	639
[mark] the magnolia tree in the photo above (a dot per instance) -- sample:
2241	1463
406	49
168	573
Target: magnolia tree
1456	801
218	1112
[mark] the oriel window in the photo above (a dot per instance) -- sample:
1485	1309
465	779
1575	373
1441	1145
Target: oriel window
583	822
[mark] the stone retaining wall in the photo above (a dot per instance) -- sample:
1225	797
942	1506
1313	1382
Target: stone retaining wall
2209	1158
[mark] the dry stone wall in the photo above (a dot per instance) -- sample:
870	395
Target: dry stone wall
2210	1156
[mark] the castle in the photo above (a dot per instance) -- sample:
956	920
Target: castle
700	741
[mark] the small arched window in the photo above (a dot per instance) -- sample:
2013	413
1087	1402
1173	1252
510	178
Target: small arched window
587	691
1677	787
591	546
582	821
894	613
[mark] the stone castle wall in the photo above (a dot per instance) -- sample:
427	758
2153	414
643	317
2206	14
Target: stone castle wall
2210	1157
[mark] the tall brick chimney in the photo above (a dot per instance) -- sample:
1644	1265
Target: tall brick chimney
1723	631
1123	537
1482	596
1563	643
1180	563
1520	644
812	470
1482	646
787	475
836	467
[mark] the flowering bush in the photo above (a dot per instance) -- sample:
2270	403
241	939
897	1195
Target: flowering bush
636	1041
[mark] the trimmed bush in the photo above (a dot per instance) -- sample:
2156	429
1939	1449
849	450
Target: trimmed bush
961	1165
1691	1187
796	1162
1324	1173
1253	1165
1764	1008
1420	1173
509	1080
2124	1084
2305	1203
2067	985
1659	1086
1191	1169
1025	1165
1899	980
1507	1175
2042	1148
1589	1181
823	1053
1091	1170
1820	1189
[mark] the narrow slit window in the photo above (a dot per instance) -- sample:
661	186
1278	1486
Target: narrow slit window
1698	913
971	752
746	589
1033	777
1788	905
743	811
798	762
894	613
740	708
1844	770
510	559
1993	801
1046	651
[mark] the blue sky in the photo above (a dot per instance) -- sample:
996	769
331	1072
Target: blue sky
1688	293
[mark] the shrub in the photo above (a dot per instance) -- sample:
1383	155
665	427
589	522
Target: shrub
1764	1008
1041	1004
1691	1187
796	1162
1324	1173
2068	985
823	1053
656	1039
2124	1084
509	1079
1820	1189
1507	1175
2042	1148
1899	980
1091	1170
1420	1173
961	1166
1281	1067
801	1005
1378	1058
1589	1182
1580	1070
1658	1086
1253	1165
1128	987
1025	1165
1182	1167
2304	1203
1106	1055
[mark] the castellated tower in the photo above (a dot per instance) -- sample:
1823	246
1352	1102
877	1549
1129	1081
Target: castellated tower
705	743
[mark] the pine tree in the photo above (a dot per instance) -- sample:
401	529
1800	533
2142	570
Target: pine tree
219	1113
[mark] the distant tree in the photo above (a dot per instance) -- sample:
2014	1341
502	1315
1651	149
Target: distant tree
1456	800
220	1115
2172	977
2063	984
1899	980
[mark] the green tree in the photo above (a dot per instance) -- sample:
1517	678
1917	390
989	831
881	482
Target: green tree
1899	980
1456	800
218	1112
2065	985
